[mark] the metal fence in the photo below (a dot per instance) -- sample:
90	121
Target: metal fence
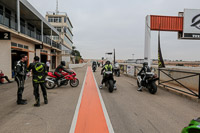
172	81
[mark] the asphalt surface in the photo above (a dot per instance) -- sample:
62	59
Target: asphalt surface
55	117
130	111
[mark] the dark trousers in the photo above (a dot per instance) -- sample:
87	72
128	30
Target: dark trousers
5	77
47	69
20	84
36	90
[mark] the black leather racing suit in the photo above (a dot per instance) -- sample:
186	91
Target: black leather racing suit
19	78
39	72
143	71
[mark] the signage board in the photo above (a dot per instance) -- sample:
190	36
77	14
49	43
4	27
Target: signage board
38	46
5	36
130	70
191	27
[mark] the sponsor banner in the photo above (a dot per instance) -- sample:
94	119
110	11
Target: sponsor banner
191	23
160	58
130	70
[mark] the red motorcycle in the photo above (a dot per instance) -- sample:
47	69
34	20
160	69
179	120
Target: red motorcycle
51	80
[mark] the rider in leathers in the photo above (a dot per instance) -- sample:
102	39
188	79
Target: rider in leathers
59	69
107	67
142	73
19	78
39	72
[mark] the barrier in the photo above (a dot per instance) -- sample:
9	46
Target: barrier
182	79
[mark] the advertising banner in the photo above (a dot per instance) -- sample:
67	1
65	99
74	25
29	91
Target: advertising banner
191	28
130	70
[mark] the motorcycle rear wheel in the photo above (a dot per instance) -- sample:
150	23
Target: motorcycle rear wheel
111	86
50	85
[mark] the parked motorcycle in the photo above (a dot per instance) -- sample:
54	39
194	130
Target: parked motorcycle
68	78
149	82
193	127
116	70
109	82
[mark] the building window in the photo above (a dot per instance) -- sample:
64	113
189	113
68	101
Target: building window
55	19
7	17
31	31
65	19
59	29
20	46
22	25
1	14
13	44
25	47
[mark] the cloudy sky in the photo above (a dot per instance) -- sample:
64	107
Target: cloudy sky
102	25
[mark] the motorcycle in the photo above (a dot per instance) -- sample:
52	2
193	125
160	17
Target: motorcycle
51	80
109	82
193	127
116	70
149	83
94	67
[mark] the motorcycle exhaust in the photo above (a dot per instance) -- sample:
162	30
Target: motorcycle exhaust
49	80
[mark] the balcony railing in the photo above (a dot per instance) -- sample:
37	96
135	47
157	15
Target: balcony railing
10	22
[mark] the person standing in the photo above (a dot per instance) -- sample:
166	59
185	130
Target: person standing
48	65
39	73
26	64
19	78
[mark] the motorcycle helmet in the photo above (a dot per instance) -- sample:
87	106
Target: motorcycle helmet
145	64
108	62
194	126
62	63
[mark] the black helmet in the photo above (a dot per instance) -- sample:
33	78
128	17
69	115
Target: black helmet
62	63
145	64
108	62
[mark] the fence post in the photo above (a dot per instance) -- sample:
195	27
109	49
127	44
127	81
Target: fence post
199	87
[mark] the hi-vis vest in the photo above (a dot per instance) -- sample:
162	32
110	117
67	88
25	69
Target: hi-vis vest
108	67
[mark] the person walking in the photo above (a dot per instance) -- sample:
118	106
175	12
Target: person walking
39	73
19	78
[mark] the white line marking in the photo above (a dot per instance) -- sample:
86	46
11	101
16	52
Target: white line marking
73	126
110	128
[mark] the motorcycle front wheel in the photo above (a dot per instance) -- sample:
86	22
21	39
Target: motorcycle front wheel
74	83
50	85
153	88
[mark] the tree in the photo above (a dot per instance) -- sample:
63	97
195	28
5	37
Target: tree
77	54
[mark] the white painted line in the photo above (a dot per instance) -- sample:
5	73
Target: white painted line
110	128
74	121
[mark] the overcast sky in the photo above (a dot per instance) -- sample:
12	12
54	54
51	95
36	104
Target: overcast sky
102	25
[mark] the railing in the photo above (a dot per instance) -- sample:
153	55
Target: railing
179	79
184	88
10	22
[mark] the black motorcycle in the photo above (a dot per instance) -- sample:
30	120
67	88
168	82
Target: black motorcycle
94	67
149	82
109	82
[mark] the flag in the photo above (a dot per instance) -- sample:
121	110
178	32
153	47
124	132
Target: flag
160	58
